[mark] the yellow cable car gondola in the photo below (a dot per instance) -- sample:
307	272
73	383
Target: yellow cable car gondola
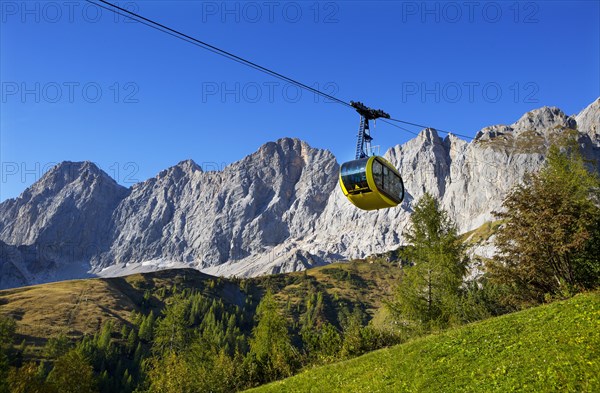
370	182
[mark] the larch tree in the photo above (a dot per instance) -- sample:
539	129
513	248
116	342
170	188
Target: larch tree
72	373
549	243
270	347
429	293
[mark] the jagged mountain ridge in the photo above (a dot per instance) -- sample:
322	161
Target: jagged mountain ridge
277	210
209	218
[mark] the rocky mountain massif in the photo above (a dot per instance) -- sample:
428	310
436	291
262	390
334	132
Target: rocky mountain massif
277	210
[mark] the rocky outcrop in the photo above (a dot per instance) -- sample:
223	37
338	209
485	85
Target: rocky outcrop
588	121
277	210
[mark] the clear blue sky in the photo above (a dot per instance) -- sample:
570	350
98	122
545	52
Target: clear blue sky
453	65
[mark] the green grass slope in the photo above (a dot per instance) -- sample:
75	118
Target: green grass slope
550	348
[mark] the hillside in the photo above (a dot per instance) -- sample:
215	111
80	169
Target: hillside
79	307
549	348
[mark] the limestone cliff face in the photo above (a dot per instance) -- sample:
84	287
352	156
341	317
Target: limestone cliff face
208	218
54	227
72	202
277	210
587	121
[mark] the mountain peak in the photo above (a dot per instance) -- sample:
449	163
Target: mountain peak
67	172
427	137
284	144
73	197
429	134
286	141
188	165
75	167
288	149
181	169
544	118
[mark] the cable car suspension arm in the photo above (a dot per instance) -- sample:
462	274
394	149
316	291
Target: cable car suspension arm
363	143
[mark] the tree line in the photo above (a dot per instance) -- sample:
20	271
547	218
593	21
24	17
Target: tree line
197	343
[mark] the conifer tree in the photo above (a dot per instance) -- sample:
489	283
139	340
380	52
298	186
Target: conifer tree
147	327
429	293
172	333
270	346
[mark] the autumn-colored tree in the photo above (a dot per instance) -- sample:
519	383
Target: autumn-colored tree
28	379
215	370
72	373
549	244
171	373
